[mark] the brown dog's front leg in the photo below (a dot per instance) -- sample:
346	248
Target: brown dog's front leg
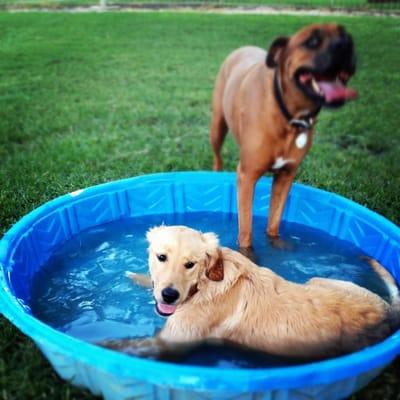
280	188
245	183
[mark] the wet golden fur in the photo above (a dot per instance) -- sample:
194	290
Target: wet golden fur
236	300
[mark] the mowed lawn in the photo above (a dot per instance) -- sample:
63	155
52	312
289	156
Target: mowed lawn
88	98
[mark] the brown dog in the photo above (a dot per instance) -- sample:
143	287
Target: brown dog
210	292
269	103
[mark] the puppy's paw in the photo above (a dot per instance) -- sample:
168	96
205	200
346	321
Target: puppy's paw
153	348
140	279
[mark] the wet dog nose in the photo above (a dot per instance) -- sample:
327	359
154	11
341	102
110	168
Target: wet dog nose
169	295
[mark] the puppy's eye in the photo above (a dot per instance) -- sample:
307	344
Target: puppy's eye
162	257
189	265
314	41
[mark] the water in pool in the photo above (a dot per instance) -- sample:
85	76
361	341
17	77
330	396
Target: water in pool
83	291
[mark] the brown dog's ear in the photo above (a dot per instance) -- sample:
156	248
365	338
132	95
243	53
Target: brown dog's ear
275	51
215	267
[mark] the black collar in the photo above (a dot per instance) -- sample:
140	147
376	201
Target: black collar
305	122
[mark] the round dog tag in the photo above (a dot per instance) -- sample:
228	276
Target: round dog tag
301	140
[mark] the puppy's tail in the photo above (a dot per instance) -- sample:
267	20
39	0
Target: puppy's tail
385	275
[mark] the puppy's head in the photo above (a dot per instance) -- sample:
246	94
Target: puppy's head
318	60
179	257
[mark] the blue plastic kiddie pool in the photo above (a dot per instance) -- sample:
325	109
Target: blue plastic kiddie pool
27	246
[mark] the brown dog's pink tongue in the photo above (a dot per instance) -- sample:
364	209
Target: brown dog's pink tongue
336	91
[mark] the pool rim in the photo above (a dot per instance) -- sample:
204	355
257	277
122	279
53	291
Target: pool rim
184	376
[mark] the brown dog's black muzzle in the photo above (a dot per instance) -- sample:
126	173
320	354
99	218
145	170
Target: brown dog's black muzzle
325	81
339	56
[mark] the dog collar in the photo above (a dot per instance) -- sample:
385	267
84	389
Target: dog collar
304	123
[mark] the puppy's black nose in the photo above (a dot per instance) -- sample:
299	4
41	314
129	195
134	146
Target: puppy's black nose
169	295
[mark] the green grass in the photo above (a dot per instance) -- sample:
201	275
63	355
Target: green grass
88	98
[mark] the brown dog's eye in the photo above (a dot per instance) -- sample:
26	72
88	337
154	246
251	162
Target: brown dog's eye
189	265
314	41
162	257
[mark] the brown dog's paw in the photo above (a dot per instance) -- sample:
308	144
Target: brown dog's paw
280	244
248	252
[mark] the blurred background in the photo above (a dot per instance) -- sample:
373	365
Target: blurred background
349	5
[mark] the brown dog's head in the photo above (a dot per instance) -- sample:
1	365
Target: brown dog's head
318	60
179	257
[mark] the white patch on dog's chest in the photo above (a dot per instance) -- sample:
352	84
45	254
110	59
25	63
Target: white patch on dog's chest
301	140
280	162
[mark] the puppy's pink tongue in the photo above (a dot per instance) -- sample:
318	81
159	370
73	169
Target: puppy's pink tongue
166	308
336	91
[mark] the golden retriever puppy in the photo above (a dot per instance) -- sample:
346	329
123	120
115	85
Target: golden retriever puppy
212	292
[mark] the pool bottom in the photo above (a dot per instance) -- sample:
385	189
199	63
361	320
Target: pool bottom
83	291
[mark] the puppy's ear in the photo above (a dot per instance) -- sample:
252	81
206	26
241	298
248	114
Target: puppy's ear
153	232
215	267
275	51
211	240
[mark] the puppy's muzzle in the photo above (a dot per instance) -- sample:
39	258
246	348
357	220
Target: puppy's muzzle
167	307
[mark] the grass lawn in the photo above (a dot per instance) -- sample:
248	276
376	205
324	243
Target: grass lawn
87	98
